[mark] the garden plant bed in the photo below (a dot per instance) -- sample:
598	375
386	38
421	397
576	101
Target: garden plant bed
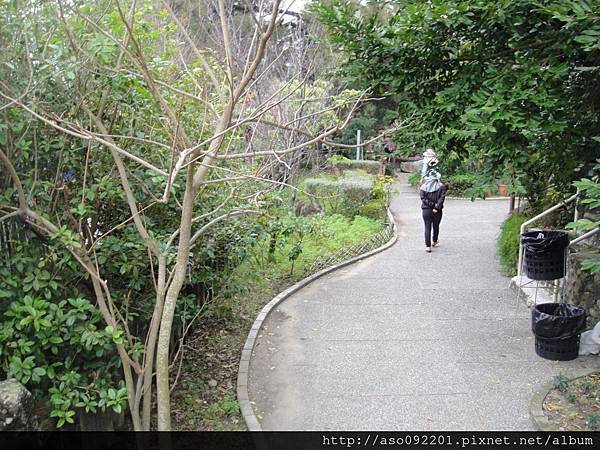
204	398
574	405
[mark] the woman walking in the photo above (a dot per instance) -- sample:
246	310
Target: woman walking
433	194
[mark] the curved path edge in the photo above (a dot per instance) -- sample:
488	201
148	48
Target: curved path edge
536	407
244	368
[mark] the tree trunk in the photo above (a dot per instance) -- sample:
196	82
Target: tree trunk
164	337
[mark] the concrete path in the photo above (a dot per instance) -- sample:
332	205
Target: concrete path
406	340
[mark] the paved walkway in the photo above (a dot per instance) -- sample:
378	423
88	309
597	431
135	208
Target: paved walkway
405	340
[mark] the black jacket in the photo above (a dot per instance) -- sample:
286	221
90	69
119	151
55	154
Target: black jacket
433	200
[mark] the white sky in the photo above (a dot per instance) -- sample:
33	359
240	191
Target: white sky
297	5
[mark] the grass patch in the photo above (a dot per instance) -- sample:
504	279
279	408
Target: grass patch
508	243
322	235
219	413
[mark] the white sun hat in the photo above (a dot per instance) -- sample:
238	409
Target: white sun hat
429	157
429	153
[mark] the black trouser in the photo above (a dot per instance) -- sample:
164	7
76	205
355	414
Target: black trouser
431	219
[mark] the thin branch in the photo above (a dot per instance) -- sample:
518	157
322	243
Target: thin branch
9	215
133	138
125	184
202	216
251	11
227	46
259	51
85	135
181	346
209	70
225	216
16	180
193	78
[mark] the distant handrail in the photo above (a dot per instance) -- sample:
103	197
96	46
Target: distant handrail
536	218
584	236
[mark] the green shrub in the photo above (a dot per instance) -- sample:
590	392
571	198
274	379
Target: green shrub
345	195
375	209
591	199
339	161
327	193
371	167
53	339
342	163
356	194
317	185
508	243
414	178
459	183
381	186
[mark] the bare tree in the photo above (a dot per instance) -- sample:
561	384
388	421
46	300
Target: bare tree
236	107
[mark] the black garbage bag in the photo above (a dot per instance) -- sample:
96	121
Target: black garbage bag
544	255
557	320
543	241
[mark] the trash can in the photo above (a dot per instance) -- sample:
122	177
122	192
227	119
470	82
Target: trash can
544	254
557	327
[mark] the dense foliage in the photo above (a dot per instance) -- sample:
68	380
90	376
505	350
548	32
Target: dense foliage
512	85
145	151
590	190
52	338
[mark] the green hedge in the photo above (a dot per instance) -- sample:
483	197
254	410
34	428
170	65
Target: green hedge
366	165
342	163
346	195
354	193
508	243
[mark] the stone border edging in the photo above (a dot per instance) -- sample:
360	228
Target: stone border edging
536	406
244	368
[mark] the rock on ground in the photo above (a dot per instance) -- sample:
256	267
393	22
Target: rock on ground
16	404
